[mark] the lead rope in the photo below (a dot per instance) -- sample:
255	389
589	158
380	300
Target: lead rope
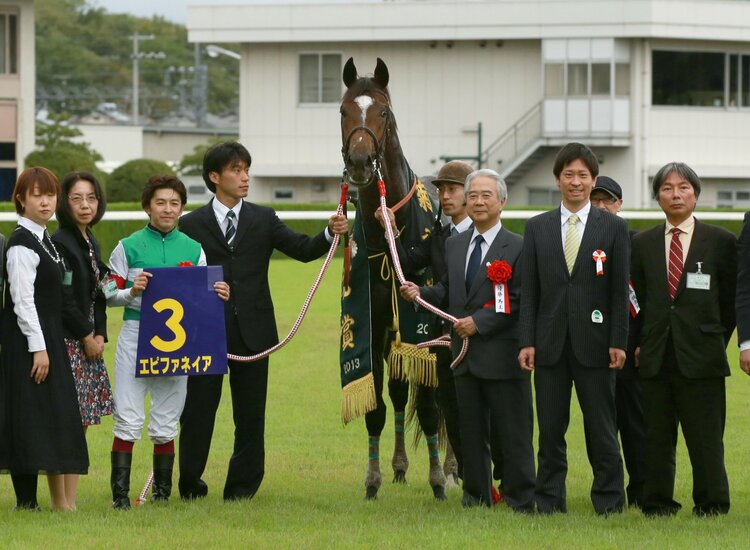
442	341
306	305
248	359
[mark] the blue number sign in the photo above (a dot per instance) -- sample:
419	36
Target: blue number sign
182	323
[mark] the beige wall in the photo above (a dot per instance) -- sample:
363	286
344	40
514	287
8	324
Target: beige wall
18	90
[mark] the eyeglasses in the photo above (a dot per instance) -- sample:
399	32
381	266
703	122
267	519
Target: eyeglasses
79	199
603	200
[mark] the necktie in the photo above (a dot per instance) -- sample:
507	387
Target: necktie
572	242
454	231
474	261
675	262
230	231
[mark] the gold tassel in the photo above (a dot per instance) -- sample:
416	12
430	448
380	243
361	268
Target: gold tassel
411	364
358	398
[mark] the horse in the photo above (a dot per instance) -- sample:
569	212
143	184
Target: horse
371	150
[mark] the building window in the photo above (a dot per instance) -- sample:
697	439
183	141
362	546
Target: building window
733	198
319	78
554	80
688	78
8	43
544	197
600	79
578	79
283	194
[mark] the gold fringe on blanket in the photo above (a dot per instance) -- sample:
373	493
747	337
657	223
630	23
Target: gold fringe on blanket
411	364
358	398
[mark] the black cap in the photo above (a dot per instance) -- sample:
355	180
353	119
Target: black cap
604	183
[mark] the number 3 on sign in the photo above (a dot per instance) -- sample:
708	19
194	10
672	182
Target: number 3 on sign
173	324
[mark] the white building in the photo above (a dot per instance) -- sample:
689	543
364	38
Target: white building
643	82
17	89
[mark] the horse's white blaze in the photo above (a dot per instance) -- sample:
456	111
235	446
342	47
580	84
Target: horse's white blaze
364	102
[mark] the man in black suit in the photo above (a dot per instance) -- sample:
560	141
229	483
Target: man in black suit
607	195
573	329
240	236
490	388
685	274
743	295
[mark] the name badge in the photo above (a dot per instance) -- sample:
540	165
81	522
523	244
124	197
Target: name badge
699	281
109	287
68	278
597	317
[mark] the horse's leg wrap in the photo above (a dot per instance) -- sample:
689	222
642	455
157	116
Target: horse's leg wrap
400	461
450	468
373	478
437	478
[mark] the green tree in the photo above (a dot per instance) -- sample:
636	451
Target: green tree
126	183
57	150
192	163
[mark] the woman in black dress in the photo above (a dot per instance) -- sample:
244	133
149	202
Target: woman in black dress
43	431
81	206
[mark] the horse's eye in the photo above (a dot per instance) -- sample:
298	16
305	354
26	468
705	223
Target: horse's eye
384	113
342	112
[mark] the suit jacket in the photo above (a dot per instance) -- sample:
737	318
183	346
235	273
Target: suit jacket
429	252
493	352
556	305
245	264
630	371
700	322
743	282
83	290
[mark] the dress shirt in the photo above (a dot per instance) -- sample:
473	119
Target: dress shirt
221	210
22	264
488	236
461	226
583	216
686	235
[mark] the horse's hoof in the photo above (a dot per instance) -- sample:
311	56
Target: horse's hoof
439	492
371	492
399	476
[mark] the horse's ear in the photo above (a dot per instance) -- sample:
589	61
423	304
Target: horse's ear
381	74
350	73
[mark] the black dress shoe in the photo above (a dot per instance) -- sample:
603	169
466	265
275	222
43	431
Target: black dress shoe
660	511
198	490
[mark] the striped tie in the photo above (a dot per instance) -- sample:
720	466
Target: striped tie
572	242
229	233
675	262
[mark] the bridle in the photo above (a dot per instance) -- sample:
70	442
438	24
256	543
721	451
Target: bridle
379	143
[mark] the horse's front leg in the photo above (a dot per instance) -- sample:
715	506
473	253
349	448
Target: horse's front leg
398	391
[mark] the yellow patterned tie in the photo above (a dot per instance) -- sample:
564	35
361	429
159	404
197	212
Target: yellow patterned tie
572	242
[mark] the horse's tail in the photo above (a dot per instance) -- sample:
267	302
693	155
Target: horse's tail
412	421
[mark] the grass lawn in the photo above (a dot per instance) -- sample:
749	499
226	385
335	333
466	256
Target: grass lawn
312	496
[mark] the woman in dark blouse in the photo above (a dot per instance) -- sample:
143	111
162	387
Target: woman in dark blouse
81	206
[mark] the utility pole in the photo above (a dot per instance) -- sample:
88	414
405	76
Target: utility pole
200	88
137	56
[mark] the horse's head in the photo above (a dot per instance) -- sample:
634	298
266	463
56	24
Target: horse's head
366	121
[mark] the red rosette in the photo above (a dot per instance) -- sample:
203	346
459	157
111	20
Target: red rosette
499	272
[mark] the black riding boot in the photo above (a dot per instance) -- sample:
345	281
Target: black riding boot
120	479
163	465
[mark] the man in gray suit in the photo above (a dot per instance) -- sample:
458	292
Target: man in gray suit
483	293
573	329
